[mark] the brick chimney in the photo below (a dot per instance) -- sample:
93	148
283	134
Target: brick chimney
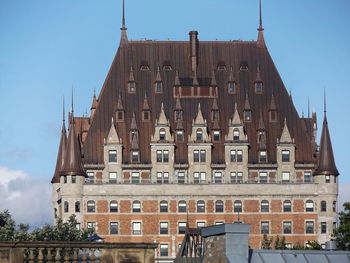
194	45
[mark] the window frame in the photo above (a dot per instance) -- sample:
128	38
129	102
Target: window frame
163	228
91	206
287	206
182	206
112	156
309	206
115	227
309	227
219	206
136	232
136	206
163	206
287	225
113	206
237	206
200	206
285	156
265	227
265	206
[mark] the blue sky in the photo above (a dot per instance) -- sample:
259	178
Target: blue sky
46	47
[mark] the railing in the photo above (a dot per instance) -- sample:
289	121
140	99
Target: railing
75	252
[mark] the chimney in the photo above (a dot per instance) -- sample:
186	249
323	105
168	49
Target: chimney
194	45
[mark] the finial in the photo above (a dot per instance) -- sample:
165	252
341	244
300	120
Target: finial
123	19
324	102
308	107
72	103
261	40
64	113
260	17
124	38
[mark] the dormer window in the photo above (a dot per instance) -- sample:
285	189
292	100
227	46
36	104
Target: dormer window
273	116
235	134
285	156
221	66
260	135
231	87
199	135
216	136
258	87
162	135
120	115
247	115
214	115
262	157
146	115
178	115
132	87
144	66
158	85
135	156
243	66
180	136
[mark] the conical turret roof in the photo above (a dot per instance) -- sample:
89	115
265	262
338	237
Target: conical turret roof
60	156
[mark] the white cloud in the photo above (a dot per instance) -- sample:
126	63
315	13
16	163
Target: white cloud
344	194
27	198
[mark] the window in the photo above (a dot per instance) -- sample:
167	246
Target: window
231	86
91	225
285	156
203	156
112	156
233	156
136	228
162	156
323	227
323	206
287	227
309	227
263	177
258	87
91	206
65	179
237	206
262	157
328	178
135	178
219	206
120	115
178	115
334	206
162	178
77	207
307	177
265	227
163	207
219	223
309	207
264	206
113	228
146	115
236	178
216	136
200	206
199	178
235	134
135	156
287	206
165	156
247	115
163	228
91	178
182	208
164	250
158	86
285	177
236	156
218	178
199	135
112	178
113	207
179	136
200	224
182	228
159	156
136	207
162	135
66	207
74	179
239	156
132	86
181	178
273	115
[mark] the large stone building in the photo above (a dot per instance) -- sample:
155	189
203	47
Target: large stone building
198	133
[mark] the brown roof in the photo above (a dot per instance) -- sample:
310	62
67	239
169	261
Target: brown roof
60	155
211	53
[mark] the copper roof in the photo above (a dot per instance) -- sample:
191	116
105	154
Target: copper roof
60	155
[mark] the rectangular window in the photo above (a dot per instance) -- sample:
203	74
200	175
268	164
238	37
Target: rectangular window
182	207
132	86
162	135
74	179
135	156
239	156
165	178
287	227
203	178
196	178
136	228
91	178
231	87
323	227
182	228
112	156
113	228
181	178
307	177
135	178
285	156
200	224
179	136
309	227
164	250
219	223
159	156
328	178
158	87
262	156
120	115
285	177
263	177
258	87
91	225
145	115
217	178
265	228
159	178
163	230
216	136
178	115
165	156
203	156
196	156
233	155
247	115
112	178
239	177
199	135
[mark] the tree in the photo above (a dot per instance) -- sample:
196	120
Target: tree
7	226
342	233
280	243
266	243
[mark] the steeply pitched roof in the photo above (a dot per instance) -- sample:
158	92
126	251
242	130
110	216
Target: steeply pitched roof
60	155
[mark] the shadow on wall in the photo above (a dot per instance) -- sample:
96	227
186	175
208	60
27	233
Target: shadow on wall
128	258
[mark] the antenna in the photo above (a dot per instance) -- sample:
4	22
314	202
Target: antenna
308	106
64	113
260	17
324	101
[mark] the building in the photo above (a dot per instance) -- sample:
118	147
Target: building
198	133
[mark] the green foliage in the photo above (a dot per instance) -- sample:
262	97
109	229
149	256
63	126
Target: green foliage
60	232
342	233
266	243
310	245
280	243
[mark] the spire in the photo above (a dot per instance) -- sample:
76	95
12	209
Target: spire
94	102
145	103
177	79
178	105
131	75
120	103
61	151
133	126
195	79
326	163
215	105
273	103
179	125
285	136
258	76
236	119
246	102
261	40
112	136
199	118
73	163
162	117
158	77
124	37
261	126
213	82
231	77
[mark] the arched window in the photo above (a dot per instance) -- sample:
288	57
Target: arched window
200	206
264	206
237	206
77	207
199	135
287	206
161	134
323	206
91	206
309	206
136	206
236	134
182	206
219	206
66	207
163	208
113	206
